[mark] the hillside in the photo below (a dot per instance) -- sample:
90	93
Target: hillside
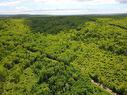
72	55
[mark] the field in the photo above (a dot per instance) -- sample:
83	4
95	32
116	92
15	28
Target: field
66	55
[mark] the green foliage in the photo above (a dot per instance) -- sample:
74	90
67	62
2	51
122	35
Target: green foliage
61	55
54	25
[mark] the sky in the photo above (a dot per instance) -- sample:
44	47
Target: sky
63	7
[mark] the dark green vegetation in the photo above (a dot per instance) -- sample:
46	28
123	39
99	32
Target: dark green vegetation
61	55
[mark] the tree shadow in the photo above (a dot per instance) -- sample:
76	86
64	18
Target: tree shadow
56	24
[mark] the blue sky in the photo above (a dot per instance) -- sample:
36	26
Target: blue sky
60	7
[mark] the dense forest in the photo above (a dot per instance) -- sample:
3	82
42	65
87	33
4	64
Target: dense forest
66	55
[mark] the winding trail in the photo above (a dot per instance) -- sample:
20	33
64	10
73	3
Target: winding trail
103	87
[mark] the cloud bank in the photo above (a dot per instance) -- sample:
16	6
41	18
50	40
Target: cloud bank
122	1
63	6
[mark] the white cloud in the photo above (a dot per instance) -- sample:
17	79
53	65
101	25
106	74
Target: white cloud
104	1
122	1
9	3
11	12
61	6
64	12
16	2
77	1
21	8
